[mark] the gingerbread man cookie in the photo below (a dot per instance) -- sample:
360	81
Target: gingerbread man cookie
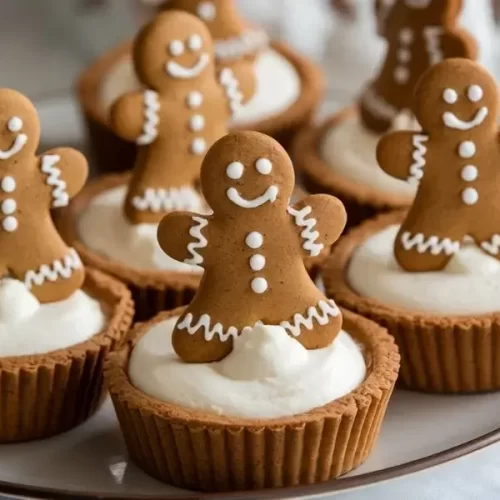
455	160
183	111
252	250
31	249
420	33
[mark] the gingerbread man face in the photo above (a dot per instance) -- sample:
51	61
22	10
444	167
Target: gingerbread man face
466	103
252	249
455	162
19	128
31	250
174	51
232	184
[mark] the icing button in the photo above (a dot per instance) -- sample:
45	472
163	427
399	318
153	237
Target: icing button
467	149
8	184
254	240
195	99
469	173
401	74
470	196
259	285
10	224
197	123
257	262
9	206
206	11
199	146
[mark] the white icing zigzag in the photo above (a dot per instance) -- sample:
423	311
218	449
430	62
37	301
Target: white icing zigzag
432	36
231	87
239	46
201	242
379	106
419	152
493	246
307	234
150	127
165	200
321	314
59	193
433	244
210	331
61	268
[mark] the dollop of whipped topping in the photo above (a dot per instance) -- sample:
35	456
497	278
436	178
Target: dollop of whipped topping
267	375
16	301
28	327
259	353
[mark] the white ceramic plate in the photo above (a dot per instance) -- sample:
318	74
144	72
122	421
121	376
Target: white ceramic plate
419	431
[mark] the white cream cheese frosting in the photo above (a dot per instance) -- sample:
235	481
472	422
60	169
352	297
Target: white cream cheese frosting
28	327
350	150
102	227
469	285
268	374
278	87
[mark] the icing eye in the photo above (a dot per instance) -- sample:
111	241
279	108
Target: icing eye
235	170
176	48
15	124
450	96
475	93
195	43
206	11
264	166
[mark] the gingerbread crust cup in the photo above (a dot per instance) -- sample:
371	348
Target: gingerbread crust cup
360	200
203	451
114	154
152	290
439	354
46	394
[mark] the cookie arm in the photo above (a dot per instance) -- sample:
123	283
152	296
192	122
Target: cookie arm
402	155
238	84
134	117
182	236
65	171
319	220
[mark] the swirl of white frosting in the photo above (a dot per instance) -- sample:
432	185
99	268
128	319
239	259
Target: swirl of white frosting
268	374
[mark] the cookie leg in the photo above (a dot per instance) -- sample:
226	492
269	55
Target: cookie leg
194	348
53	274
422	248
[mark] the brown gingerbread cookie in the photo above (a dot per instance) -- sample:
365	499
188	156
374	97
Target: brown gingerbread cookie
185	108
252	250
236	42
455	160
419	33
31	249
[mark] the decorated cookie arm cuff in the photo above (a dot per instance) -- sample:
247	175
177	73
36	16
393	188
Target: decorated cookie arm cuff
320	219
132	119
65	171
402	155
182	236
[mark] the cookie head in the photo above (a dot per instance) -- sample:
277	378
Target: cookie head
247	172
456	96
175	48
19	125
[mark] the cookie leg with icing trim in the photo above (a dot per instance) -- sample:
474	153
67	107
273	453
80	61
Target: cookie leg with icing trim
52	273
426	245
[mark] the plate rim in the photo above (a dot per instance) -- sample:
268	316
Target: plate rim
295	492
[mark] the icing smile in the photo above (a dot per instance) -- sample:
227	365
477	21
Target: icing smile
452	121
17	145
269	196
176	70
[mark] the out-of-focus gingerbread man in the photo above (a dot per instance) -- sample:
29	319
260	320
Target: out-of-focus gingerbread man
456	161
419	33
31	249
252	250
185	108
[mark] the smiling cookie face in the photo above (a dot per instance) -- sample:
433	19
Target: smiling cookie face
254	178
19	125
174	49
450	99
